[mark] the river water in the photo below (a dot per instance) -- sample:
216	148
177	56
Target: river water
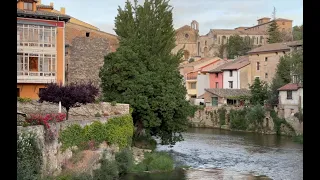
220	154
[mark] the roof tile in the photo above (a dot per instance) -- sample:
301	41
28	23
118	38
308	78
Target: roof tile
290	87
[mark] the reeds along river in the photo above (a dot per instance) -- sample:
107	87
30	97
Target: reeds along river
218	154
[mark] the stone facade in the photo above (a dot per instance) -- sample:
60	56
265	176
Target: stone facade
52	157
86	57
87	111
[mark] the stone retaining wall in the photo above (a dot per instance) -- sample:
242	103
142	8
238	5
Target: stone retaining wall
87	111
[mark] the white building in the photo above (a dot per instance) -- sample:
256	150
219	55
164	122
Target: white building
290	99
235	75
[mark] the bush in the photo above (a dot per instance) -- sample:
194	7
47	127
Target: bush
124	161
29	158
119	130
145	142
108	170
222	115
97	114
113	103
73	135
278	122
298	139
238	119
256	116
95	132
155	161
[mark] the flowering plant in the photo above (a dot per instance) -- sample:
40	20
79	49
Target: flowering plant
39	119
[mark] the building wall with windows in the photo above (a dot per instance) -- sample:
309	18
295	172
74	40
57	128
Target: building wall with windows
263	65
40	49
231	79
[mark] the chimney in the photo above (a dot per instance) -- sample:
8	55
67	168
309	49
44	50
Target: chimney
63	10
51	4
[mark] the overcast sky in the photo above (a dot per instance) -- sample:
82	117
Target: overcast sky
211	14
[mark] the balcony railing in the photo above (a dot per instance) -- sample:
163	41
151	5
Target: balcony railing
35	77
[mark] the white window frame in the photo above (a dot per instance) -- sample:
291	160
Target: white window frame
34	36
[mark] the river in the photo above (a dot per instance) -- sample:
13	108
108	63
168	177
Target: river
220	154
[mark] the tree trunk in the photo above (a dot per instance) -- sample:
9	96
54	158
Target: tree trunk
67	115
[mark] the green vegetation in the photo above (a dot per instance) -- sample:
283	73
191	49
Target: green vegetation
107	171
298	139
288	65
222	115
155	161
118	130
144	73
113	103
221	50
297	32
124	161
97	114
237	46
144	142
278	122
24	100
29	159
247	118
274	33
259	92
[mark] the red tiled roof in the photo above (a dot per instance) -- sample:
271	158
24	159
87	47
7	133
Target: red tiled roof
218	69
290	87
239	63
271	47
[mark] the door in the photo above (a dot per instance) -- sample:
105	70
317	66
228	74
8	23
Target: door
214	101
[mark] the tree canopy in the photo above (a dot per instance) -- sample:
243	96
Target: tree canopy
274	33
237	46
297	32
259	91
72	95
144	73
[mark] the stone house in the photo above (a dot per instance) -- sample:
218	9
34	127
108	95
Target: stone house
235	75
217	97
290	99
285	25
264	59
216	75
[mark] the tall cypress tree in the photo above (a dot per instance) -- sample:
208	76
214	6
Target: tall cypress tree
144	73
274	33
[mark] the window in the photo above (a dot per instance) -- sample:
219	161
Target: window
217	75
276	53
192	85
27	6
266	75
230	84
186	36
258	66
217	85
261	38
87	34
289	94
36	36
230	73
34	64
266	59
18	92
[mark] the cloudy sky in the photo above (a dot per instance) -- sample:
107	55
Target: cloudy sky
211	14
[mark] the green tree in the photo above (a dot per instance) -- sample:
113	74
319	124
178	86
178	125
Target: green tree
274	33
297	32
221	51
259	92
237	46
144	73
289	64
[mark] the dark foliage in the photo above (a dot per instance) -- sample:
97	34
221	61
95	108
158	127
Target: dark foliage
70	96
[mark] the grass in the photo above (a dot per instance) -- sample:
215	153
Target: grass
155	161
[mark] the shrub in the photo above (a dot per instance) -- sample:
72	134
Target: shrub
108	170
119	130
124	161
222	115
29	158
155	161
113	103
24	100
256	116
238	119
278	122
144	142
73	135
96	132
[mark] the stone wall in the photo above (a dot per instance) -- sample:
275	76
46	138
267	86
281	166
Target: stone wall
87	111
209	118
86	58
53	158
